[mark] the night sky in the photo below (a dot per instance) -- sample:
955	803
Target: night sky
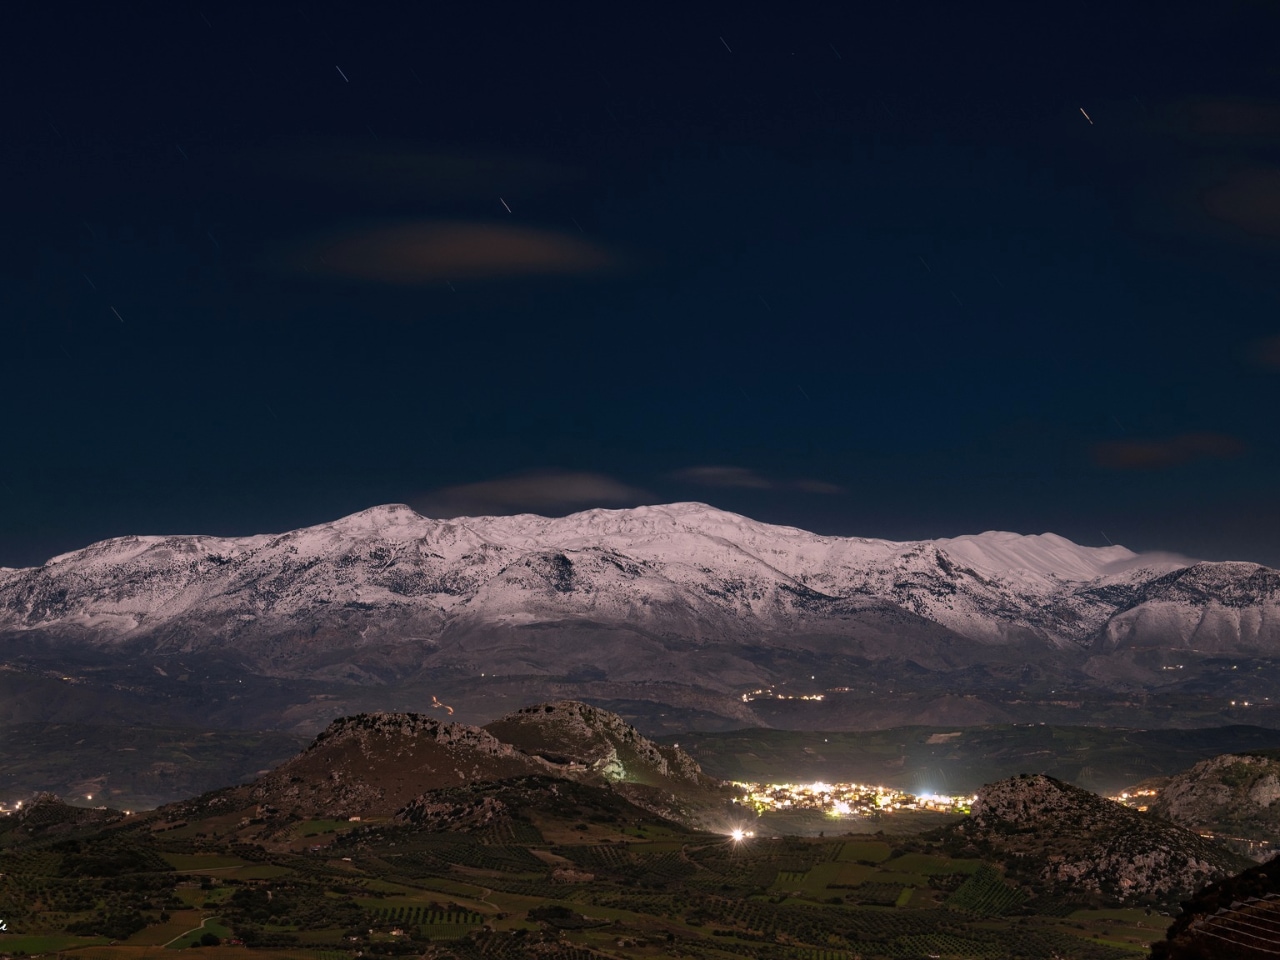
899	270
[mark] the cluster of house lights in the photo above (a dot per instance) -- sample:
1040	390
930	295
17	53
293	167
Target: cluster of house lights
765	693
844	799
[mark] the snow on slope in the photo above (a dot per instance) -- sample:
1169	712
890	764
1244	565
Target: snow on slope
683	570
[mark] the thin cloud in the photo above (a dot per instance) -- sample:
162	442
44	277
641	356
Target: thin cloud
816	486
1171	452
551	491
392	171
1267	352
723	477
746	479
1249	199
1249	119
438	251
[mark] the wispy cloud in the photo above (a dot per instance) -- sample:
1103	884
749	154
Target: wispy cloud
549	491
747	479
1169	452
430	251
722	477
1266	352
390	171
1248	199
1250	119
815	486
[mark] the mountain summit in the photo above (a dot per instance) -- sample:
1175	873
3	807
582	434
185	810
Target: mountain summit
681	605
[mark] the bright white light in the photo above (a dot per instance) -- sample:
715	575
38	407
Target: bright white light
738	834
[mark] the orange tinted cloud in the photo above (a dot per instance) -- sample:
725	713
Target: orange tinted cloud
436	251
1159	454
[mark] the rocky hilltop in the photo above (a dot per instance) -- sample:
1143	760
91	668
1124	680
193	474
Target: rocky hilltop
576	733
1064	841
380	765
374	764
1236	795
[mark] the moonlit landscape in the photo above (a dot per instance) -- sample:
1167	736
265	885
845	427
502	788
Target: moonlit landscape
704	481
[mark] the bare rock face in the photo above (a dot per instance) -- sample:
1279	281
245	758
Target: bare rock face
1073	842
567	731
1234	795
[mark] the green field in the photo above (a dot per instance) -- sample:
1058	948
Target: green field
532	887
211	925
44	943
193	862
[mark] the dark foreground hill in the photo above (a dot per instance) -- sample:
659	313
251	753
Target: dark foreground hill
1063	841
1237	918
526	867
379	765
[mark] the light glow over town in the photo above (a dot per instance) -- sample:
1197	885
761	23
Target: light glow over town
844	799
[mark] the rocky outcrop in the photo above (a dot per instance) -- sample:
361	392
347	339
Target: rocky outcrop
1068	841
570	732
382	764
1236	795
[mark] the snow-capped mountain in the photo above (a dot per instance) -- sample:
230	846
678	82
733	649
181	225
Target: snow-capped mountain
681	593
684	569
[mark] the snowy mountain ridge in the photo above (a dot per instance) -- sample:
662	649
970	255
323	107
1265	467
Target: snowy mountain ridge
678	613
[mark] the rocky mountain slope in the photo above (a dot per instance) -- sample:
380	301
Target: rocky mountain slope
681	604
1065	841
378	765
1235	796
603	743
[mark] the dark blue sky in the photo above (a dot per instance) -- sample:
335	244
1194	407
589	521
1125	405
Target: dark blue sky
870	273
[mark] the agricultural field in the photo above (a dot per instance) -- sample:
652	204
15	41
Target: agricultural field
533	885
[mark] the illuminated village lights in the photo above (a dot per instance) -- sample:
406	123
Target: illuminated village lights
844	799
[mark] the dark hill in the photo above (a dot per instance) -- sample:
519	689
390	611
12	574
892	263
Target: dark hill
375	765
479	805
1236	918
48	815
1061	840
